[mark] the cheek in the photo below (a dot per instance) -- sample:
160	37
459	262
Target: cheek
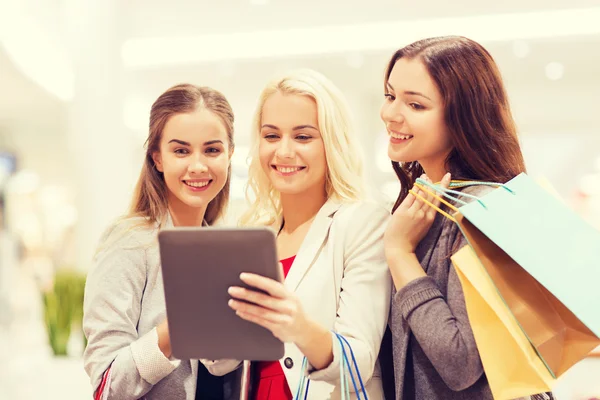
382	112
265	155
442	135
172	165
222	167
316	158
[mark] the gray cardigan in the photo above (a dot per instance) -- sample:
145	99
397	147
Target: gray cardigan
431	334
434	352
123	303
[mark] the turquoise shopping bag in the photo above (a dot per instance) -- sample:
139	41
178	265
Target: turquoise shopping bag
547	239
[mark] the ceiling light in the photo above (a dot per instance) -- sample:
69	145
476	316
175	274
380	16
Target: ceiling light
521	48
378	36
554	71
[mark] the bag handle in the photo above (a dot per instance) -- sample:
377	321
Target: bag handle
465	183
430	204
343	340
341	344
449	192
454	194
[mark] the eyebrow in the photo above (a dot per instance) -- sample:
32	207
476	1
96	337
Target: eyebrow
296	128
181	142
409	92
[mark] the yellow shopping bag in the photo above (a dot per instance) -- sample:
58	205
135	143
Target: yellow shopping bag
511	364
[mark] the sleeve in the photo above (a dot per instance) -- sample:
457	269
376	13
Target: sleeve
112	307
441	325
365	292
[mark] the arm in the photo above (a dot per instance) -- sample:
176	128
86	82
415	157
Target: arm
363	303
112	308
365	292
441	325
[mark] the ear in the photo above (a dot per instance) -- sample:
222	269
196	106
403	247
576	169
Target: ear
231	153
157	161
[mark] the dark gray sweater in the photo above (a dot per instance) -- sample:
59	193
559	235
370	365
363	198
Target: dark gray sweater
434	351
435	355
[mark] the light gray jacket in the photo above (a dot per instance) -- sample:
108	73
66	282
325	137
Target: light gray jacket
123	304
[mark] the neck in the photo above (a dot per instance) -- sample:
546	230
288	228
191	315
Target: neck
434	169
184	215
301	208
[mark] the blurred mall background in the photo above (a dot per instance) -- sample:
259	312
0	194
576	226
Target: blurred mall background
77	78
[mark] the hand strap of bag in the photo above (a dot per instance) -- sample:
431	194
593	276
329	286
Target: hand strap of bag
341	345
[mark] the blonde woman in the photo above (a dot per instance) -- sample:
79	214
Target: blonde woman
184	182
306	181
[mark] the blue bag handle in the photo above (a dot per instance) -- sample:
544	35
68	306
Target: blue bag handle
453	194
303	386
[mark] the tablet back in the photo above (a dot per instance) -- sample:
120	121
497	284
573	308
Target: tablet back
198	266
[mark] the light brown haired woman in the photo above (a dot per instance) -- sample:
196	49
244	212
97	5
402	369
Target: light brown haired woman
184	182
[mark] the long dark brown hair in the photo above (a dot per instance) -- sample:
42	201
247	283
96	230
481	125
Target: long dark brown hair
477	114
150	196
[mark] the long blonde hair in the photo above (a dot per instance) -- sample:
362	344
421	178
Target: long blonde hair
344	177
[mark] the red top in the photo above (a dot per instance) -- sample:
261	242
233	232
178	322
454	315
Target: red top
272	384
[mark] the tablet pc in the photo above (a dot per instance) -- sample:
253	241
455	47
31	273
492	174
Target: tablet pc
198	265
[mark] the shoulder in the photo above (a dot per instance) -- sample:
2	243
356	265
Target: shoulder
127	235
121	259
362	210
361	220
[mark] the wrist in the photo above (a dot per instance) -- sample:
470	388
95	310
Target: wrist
405	268
311	333
164	343
399	255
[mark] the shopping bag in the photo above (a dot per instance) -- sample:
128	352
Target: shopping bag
547	239
556	333
512	366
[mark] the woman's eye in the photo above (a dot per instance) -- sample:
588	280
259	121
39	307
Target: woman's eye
181	151
389	97
416	106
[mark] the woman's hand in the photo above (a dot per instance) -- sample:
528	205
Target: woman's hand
281	312
278	309
164	340
411	222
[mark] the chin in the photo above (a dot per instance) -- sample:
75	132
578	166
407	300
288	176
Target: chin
199	200
400	158
196	203
289	189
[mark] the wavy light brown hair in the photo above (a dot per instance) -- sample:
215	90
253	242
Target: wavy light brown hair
150	195
476	112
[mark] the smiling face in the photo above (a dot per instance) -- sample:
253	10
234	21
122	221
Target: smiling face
194	159
413	113
291	149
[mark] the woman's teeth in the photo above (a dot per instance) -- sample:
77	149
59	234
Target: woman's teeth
197	184
287	170
401	137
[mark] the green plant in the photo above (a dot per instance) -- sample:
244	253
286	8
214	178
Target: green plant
63	308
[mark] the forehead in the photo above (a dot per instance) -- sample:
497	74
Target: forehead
196	126
285	110
412	75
